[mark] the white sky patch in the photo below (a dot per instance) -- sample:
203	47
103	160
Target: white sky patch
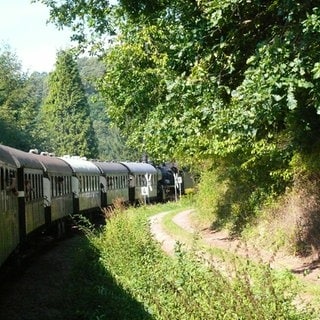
23	27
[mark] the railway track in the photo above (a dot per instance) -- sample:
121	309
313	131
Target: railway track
38	292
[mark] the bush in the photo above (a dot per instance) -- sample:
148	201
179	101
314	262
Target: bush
186	286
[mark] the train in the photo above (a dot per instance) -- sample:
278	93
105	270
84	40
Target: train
39	192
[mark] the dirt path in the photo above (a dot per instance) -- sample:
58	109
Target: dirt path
306	268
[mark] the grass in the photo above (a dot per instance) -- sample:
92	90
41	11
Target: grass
307	290
122	273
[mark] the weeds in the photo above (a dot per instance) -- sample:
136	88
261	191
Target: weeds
183	286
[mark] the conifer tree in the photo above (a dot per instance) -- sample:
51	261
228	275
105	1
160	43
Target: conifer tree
66	124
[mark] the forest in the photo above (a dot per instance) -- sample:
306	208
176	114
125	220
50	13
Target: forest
228	88
61	112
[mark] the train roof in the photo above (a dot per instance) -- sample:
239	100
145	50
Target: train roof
20	158
139	167
54	165
79	165
111	167
6	157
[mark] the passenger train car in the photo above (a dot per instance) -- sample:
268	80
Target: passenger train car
38	192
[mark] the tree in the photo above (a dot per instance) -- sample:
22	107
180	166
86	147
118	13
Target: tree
19	105
111	146
231	82
202	77
65	118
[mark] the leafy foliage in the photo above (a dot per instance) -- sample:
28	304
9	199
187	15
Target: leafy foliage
178	287
234	82
66	124
215	72
111	145
20	99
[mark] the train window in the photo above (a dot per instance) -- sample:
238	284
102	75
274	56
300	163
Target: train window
36	188
8	181
65	185
35	185
60	186
56	191
6	178
111	183
108	181
51	183
141	180
83	183
27	188
1	179
41	186
131	181
80	183
55	186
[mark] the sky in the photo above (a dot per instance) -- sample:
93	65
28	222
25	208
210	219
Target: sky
23	26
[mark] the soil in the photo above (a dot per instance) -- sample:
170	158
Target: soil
39	292
308	268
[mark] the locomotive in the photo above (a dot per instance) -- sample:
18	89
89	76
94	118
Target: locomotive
39	192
